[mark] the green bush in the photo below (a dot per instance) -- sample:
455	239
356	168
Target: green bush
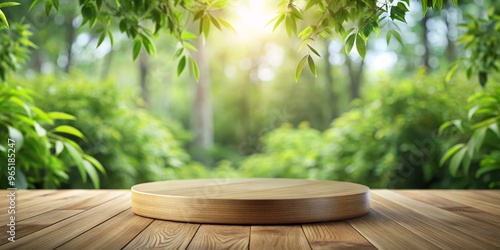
132	145
479	153
34	151
288	153
389	139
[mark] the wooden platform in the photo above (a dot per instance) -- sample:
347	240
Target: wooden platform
78	219
250	201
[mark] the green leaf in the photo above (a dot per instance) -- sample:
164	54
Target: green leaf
298	71
101	39
227	25
17	136
181	65
60	116
450	152
95	162
111	39
59	147
4	19
137	49
361	46
77	160
187	35
388	37
349	43
310	61
178	53
452	72
8	4
494	127
424	6
40	130
396	34
456	160
196	70
69	130
34	4
94	176
215	22
486	169
313	50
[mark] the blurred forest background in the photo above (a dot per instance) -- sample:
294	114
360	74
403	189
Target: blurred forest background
396	119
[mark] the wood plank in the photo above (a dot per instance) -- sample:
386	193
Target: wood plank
452	206
385	233
33	224
114	233
278	237
452	222
429	227
90	202
59	233
469	201
250	201
164	235
221	237
337	235
34	206
25	212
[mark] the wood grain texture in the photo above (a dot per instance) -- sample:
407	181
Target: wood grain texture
427	227
115	233
484	236
37	223
278	237
57	234
220	237
403	219
250	201
384	233
164	235
458	208
334	235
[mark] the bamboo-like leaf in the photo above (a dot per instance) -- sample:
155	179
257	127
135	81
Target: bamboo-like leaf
349	43
94	176
60	116
456	160
313	50
181	65
77	160
8	4
137	49
227	24
361	46
111	38
312	66
298	71
196	70
450	152
59	147
69	130
4	19
280	19
101	39
95	162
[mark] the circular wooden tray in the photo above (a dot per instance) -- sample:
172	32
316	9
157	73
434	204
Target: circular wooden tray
250	201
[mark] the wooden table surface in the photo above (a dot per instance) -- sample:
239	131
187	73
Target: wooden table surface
98	219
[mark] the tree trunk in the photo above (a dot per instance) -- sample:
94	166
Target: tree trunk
70	39
107	65
355	76
451	50
202	107
143	76
331	109
425	41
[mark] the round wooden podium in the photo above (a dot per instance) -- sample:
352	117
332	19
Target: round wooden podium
250	201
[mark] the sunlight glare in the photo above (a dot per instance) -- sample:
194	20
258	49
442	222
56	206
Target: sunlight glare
252	17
